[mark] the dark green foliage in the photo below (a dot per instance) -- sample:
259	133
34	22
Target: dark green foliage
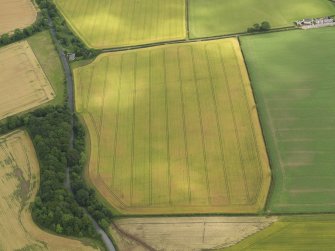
39	25
264	26
54	208
69	42
84	195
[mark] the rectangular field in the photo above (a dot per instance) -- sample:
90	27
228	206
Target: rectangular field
47	56
293	78
220	17
174	129
108	23
19	183
16	14
23	84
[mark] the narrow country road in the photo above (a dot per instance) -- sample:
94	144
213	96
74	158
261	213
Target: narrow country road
69	83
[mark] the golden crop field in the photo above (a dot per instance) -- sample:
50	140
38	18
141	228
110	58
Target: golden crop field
185	233
108	23
16	14
23	84
174	129
19	182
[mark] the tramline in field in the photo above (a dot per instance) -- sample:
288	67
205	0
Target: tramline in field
187	233
106	24
23	84
174	129
293	78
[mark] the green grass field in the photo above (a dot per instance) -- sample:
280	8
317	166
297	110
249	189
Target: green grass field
46	54
174	129
294	234
219	17
108	23
293	75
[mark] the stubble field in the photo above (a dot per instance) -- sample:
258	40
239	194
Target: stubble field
220	17
185	233
292	74
107	23
16	14
174	129
19	182
23	84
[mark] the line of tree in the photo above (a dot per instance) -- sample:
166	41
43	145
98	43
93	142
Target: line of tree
69	42
55	208
39	25
264	26
85	196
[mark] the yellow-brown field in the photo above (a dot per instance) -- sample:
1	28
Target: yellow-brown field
185	233
23	84
19	182
16	14
109	23
174	129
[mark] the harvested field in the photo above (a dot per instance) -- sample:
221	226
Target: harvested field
294	234
16	14
107	23
220	17
23	84
293	78
46	54
174	129
187	233
19	182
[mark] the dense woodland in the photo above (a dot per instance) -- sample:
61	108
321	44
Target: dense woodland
55	208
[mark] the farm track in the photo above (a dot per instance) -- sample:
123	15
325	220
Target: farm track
190	40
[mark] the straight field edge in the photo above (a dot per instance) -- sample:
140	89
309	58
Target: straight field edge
94	180
71	26
77	33
266	177
259	125
45	103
